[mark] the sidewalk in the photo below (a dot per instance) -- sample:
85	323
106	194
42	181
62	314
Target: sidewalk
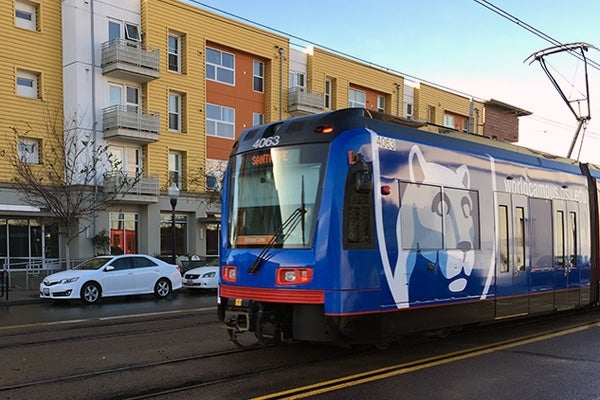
22	290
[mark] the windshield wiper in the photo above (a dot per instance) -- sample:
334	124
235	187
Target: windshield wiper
289	224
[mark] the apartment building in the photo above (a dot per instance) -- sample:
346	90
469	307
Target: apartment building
168	87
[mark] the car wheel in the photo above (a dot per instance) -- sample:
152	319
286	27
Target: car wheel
162	288
90	293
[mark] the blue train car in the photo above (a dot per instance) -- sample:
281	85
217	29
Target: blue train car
355	227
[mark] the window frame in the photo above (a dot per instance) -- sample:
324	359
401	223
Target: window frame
27	8
31	90
176	168
28	150
258	119
258	77
220	66
176	113
381	104
174	54
220	122
353	101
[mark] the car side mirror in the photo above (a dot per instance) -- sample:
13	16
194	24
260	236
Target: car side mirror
109	268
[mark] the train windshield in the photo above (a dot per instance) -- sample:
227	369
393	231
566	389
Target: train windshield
274	194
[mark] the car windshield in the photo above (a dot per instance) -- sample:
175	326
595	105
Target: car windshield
93	263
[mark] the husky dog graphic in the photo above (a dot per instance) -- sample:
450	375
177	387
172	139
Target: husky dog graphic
440	266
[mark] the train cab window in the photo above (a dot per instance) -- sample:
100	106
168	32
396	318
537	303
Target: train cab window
559	239
520	238
503	237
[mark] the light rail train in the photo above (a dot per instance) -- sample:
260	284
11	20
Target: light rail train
357	227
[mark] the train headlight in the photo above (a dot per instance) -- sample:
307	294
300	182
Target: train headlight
293	276
229	273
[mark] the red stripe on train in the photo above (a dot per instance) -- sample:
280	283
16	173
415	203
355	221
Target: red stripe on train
298	296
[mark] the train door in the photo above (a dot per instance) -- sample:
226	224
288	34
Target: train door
566	252
512	258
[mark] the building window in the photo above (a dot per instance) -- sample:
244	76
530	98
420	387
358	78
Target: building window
408	111
220	66
381	104
258	119
214	173
327	94
220	121
175	168
26	15
175	112
132	32
259	76
124	95
166	238
297	79
174	53
28	84
357	98
29	150
127	160
449	121
431	114
123	233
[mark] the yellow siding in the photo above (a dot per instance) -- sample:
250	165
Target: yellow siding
39	51
429	96
346	72
159	17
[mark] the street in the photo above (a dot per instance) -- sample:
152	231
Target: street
176	349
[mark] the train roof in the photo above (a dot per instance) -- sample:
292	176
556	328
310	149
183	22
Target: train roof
309	129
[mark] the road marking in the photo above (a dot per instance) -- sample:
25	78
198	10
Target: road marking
78	321
405	368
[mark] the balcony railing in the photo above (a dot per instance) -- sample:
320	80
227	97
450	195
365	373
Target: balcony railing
129	124
302	102
130	60
144	190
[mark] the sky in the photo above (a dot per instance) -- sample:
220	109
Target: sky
462	46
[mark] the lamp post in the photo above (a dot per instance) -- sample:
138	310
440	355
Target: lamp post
173	195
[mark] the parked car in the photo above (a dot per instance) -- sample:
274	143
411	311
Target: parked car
204	277
115	275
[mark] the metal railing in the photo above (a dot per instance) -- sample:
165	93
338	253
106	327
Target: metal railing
130	52
113	181
20	272
124	117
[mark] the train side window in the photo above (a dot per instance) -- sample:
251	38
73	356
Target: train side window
359	224
559	239
520	238
503	237
541	233
461	219
421	210
573	238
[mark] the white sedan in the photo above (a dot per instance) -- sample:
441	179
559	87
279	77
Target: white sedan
204	277
109	276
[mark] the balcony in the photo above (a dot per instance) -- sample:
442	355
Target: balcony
128	124
130	60
303	102
144	191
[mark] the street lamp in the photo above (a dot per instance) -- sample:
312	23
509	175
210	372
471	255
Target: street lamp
173	195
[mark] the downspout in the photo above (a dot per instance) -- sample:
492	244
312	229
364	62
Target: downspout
94	123
399	100
280	83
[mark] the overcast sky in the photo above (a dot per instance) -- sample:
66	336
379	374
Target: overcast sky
462	45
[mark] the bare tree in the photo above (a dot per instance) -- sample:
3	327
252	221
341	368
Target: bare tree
65	178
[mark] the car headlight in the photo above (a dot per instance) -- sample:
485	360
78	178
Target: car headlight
69	280
209	275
